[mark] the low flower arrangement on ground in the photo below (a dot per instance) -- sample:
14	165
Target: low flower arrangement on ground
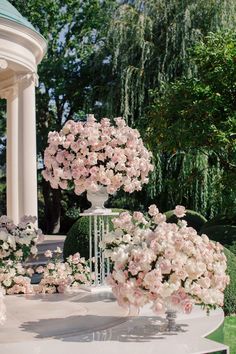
18	242
15	278
58	276
166	264
88	155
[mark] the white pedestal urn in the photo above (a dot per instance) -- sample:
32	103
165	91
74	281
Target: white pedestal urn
98	199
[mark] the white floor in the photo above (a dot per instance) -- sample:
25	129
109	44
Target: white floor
85	323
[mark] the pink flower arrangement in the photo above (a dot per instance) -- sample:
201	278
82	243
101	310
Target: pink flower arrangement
58	276
18	242
166	264
15	278
88	155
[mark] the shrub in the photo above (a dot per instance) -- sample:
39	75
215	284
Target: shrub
232	247
222	220
230	291
77	239
193	219
225	234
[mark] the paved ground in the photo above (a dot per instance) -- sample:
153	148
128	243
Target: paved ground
82	322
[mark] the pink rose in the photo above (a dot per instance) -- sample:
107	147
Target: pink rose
40	269
153	210
180	211
187	306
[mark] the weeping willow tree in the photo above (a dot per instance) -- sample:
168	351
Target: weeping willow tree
193	125
151	43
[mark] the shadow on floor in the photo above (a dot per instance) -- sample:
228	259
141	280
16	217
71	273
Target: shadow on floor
90	328
78	296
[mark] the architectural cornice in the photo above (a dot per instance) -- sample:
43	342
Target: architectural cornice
30	41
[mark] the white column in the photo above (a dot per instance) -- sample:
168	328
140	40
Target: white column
12	155
28	200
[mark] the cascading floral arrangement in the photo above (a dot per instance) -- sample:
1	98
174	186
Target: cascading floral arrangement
166	264
85	156
18	242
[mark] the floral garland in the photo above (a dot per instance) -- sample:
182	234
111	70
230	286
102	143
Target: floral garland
88	155
166	264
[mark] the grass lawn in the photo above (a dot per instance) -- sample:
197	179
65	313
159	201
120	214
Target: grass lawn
226	334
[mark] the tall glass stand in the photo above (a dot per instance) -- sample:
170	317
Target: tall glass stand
99	226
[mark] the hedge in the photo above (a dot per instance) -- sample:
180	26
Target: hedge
193	219
225	234
77	239
230	291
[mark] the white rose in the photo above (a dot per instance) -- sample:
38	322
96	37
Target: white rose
11	241
19	253
5	246
109	238
119	276
7	282
3	236
136	239
12	272
127	238
34	250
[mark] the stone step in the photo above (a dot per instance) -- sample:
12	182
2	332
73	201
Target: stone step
51	242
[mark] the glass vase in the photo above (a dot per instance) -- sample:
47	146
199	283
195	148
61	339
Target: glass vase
171	323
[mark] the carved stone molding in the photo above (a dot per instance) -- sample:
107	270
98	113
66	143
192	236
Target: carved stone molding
3	64
9	92
29	78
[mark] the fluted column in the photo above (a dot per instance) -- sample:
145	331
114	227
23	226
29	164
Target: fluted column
12	154
28	199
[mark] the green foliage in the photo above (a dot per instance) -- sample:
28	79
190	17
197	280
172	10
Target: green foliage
199	112
222	228
77	239
193	219
225	334
232	247
230	291
222	220
151	41
191	124
224	234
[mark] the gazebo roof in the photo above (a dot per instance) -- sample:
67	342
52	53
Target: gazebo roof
9	12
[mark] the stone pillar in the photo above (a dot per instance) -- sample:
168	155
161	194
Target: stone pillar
12	155
28	197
